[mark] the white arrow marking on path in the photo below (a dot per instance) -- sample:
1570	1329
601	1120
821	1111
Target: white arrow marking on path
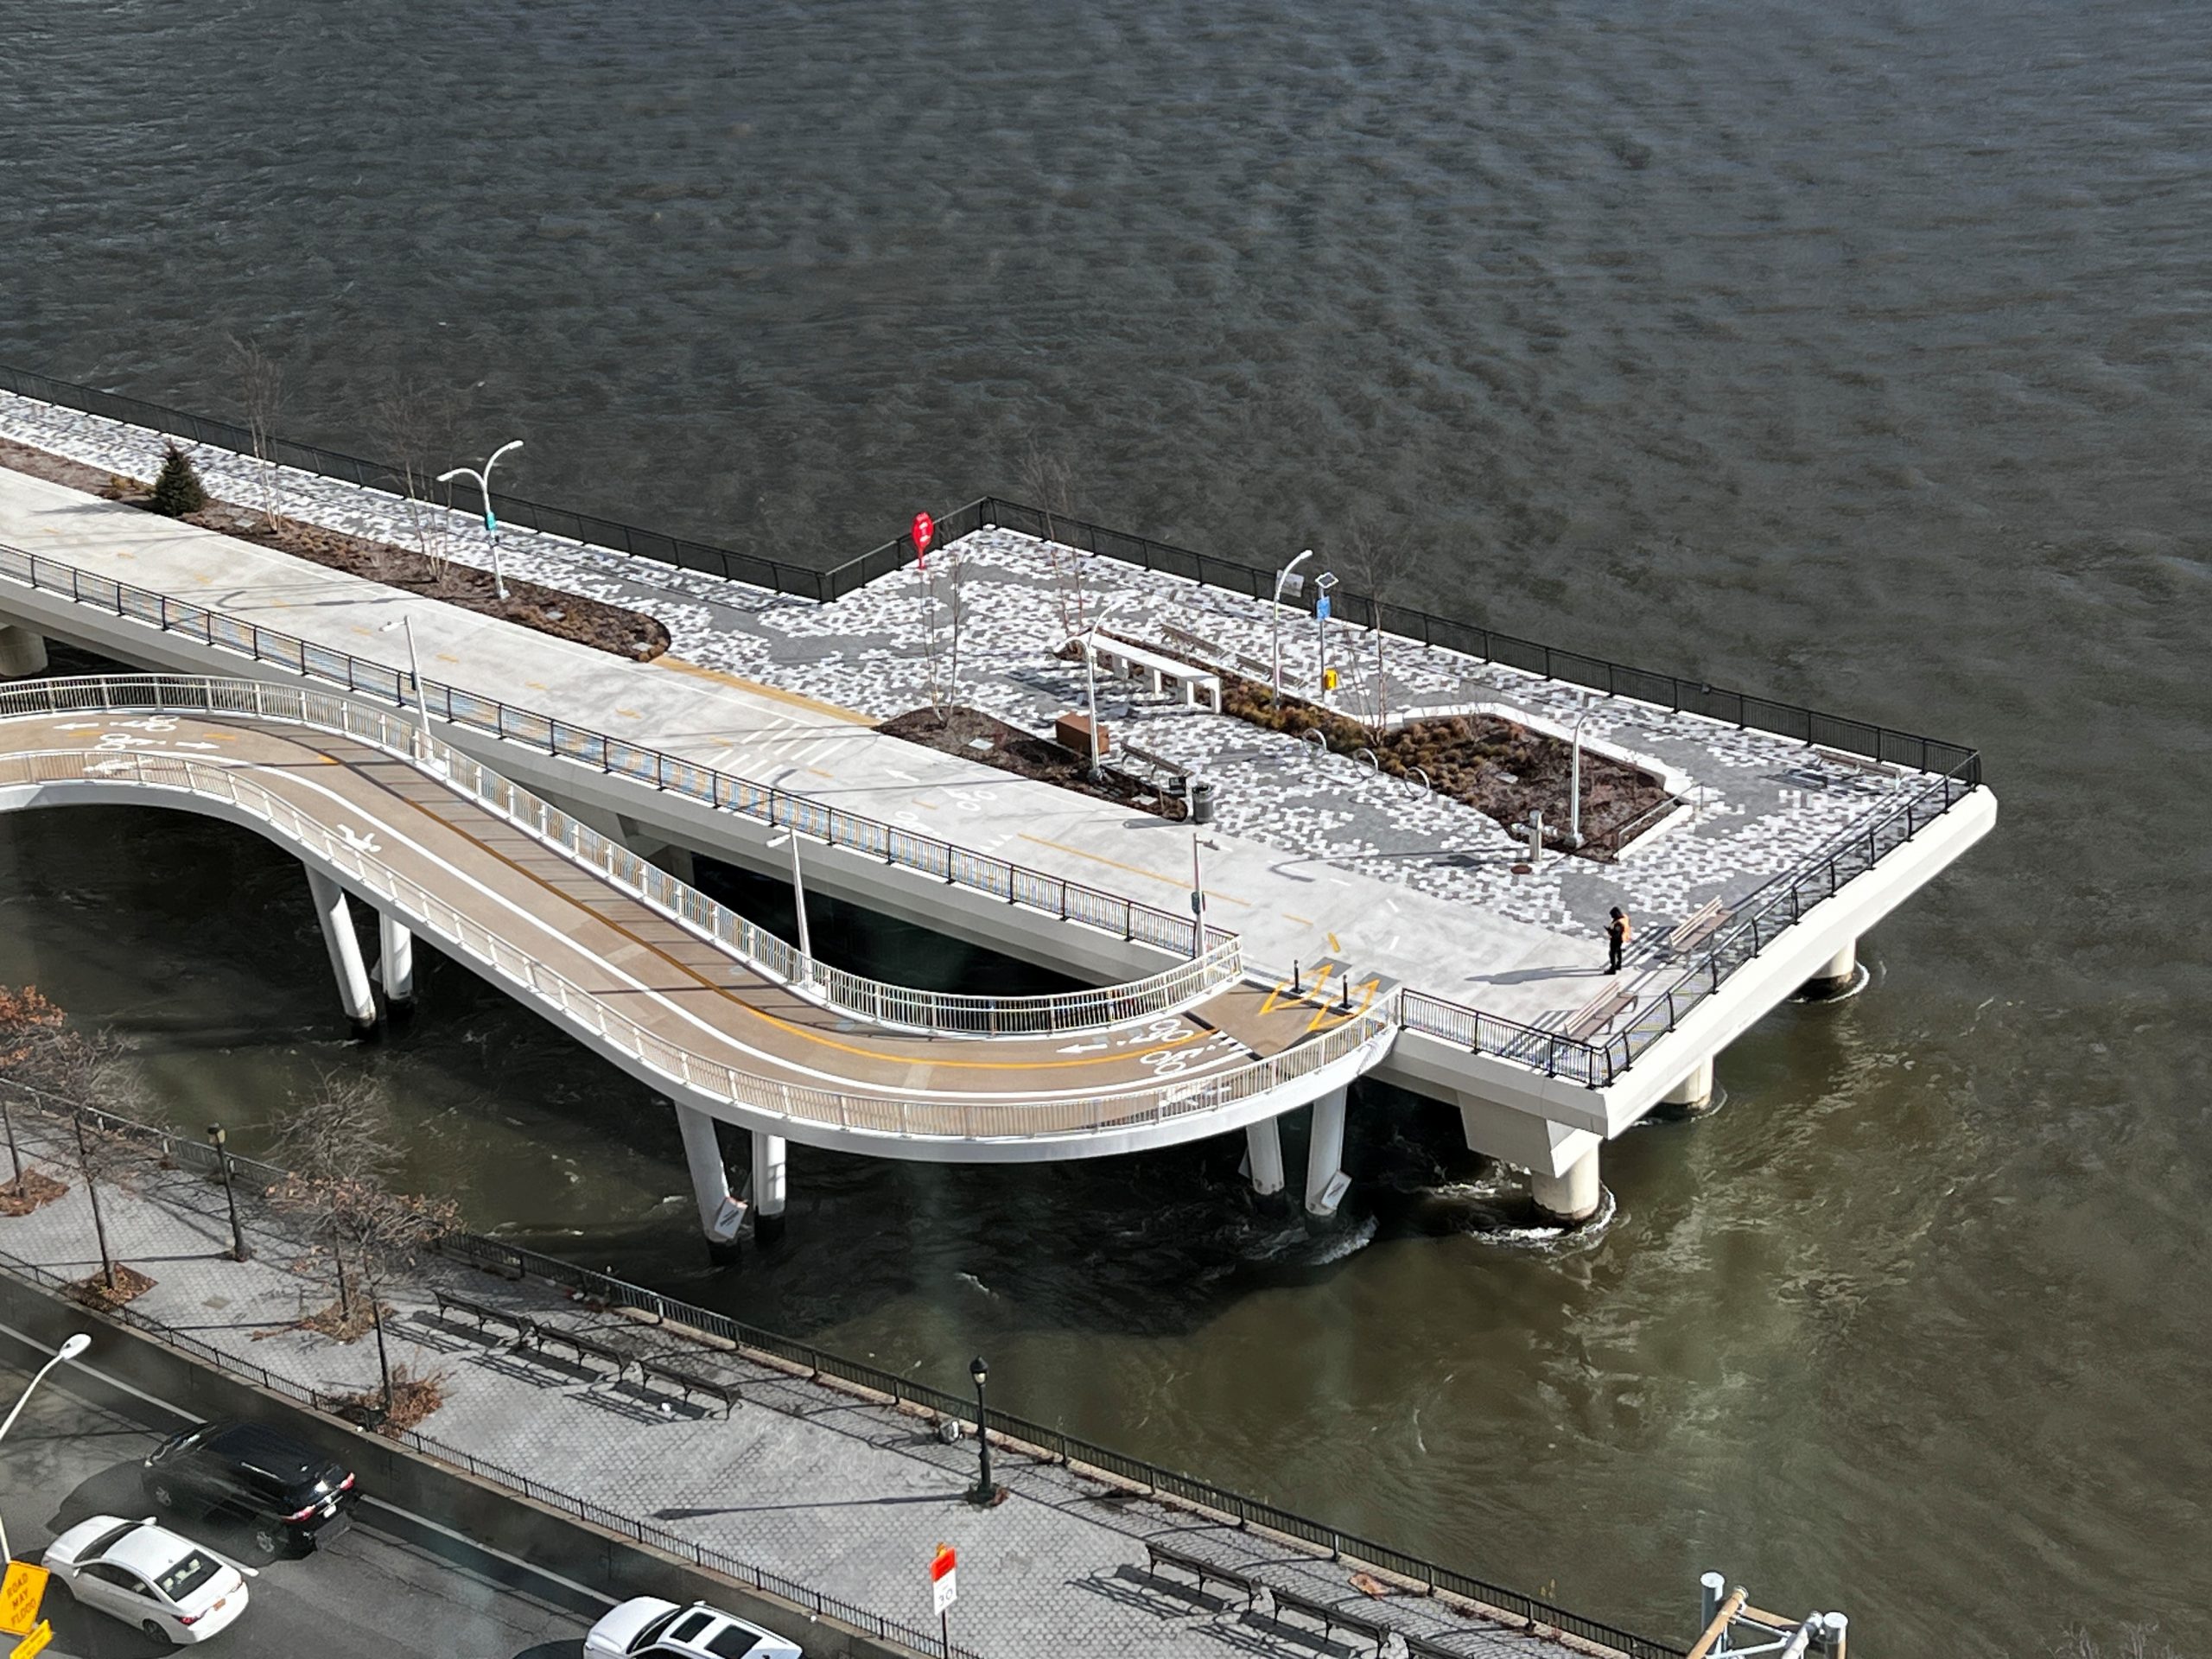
1081	1048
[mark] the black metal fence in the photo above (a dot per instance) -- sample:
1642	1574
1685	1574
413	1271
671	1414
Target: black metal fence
1576	667
1021	1435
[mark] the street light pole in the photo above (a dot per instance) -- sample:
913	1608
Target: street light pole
985	1489
1322	583
799	899
491	519
1274	620
415	671
1574	787
229	1189
70	1349
1091	680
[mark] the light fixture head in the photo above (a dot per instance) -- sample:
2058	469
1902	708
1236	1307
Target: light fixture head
980	1371
74	1346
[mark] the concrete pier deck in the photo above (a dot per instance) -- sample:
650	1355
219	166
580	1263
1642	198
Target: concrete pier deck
1800	851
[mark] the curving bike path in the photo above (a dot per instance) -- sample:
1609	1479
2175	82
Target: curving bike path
670	1004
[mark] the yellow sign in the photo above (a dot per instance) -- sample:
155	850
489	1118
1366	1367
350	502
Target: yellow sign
34	1643
19	1595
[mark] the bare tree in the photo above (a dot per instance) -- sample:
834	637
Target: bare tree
380	1231
335	1138
941	644
260	383
412	424
1374	566
27	1020
1049	482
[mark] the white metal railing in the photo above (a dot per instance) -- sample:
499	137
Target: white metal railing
866	998
969	1118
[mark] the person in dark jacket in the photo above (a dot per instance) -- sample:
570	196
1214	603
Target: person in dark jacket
1617	937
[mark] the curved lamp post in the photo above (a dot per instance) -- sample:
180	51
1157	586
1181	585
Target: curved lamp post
491	519
1283	578
69	1350
415	671
1574	787
985	1492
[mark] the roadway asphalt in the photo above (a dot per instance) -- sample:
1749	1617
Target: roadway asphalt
395	1587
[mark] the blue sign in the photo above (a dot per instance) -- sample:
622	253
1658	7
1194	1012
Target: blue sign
1321	607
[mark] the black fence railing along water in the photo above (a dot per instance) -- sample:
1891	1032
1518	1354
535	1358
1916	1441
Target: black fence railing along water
1956	767
1020	1434
1615	679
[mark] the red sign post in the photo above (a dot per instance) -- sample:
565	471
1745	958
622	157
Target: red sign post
923	530
944	1590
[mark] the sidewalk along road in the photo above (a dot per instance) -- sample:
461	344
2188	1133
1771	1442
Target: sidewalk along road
396	1585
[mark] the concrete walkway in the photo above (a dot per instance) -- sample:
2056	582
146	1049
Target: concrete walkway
826	1488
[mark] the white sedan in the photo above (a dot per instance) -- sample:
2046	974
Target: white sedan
649	1628
168	1586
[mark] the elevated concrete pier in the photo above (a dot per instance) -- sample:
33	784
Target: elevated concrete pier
1491	984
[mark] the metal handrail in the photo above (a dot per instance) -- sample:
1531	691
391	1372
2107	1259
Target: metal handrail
959	1118
877	1000
1129	920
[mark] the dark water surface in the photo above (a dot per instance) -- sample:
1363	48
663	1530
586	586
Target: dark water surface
1854	355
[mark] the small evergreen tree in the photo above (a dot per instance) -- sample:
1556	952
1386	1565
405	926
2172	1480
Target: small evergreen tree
178	490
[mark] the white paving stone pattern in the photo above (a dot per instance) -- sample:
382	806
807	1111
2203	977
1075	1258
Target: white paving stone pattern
1760	804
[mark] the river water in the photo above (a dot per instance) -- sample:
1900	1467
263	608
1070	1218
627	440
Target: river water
1856	355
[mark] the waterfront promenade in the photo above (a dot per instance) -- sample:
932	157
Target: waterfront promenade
827	1486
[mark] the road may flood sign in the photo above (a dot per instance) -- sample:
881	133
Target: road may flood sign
19	1595
944	1587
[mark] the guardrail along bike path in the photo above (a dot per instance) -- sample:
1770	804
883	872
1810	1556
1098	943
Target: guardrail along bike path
634	960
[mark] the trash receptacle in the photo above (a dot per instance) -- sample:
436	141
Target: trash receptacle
1201	800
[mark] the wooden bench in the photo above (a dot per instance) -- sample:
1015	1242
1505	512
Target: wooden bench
1333	1618
484	1315
1134	662
1189	641
1695	929
1857	762
690	1382
1598	1012
583	1347
1204	1571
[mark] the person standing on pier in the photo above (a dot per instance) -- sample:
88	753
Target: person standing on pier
1616	936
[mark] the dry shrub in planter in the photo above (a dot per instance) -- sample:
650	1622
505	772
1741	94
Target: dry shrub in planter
110	1290
36	1187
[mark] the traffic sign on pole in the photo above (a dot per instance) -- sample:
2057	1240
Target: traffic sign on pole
924	531
20	1594
943	1581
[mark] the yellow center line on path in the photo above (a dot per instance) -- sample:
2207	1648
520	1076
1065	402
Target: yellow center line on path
1181	881
773	693
817	770
1304	921
322	757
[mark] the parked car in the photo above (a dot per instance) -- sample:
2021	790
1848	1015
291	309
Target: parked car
144	1574
649	1628
294	1497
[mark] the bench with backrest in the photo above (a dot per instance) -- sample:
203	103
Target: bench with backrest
1119	657
1857	762
484	1315
690	1382
1204	1571
1696	928
1189	641
1333	1618
583	1347
1595	1014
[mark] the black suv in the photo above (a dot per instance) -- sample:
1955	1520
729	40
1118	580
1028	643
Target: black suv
294	1497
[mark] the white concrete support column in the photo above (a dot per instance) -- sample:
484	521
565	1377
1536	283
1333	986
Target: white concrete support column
338	937
719	1213
1263	1146
1325	1181
1572	1198
770	1184
1693	1093
22	651
395	961
1837	974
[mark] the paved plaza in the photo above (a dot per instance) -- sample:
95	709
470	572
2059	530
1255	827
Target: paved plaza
816	1483
1757	804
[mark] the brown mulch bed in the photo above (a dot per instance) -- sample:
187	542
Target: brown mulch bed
1504	770
549	610
96	1292
336	1320
36	1187
414	1396
974	736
